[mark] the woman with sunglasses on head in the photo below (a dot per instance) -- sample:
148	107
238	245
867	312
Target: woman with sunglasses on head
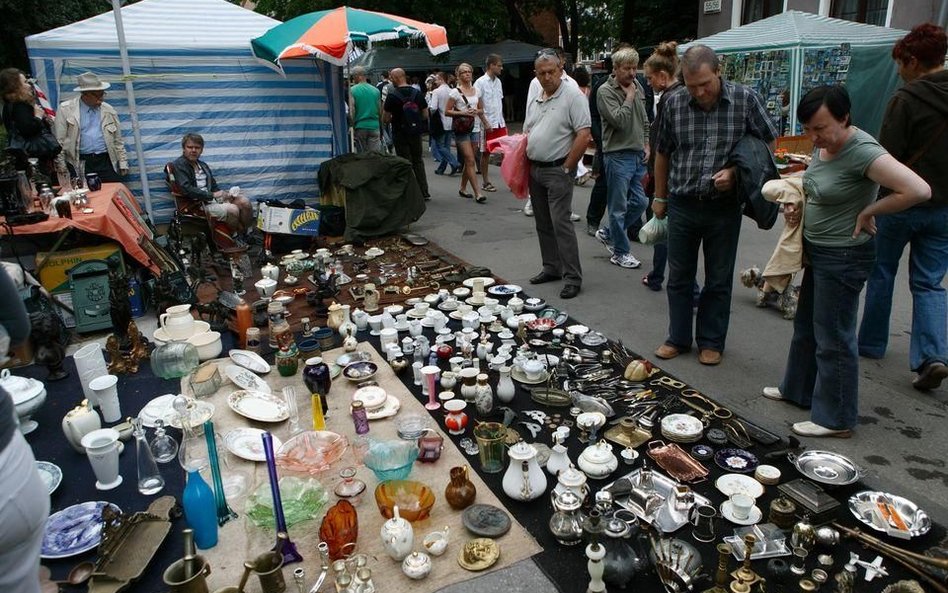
464	105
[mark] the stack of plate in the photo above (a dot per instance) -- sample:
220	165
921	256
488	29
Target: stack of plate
682	428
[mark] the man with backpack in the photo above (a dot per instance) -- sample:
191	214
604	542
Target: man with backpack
405	108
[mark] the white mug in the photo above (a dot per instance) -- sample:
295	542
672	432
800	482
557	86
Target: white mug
102	449
741	505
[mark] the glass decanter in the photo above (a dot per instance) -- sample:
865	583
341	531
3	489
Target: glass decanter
351	487
149	478
163	446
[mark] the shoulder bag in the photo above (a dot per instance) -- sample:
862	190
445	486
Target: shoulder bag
42	146
462	124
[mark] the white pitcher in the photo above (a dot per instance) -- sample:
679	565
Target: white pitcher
524	480
177	322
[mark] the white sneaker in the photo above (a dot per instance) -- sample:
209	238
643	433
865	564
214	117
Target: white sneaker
528	208
625	261
573	217
772	393
812	429
603	236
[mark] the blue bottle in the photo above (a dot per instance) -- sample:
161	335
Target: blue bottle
200	511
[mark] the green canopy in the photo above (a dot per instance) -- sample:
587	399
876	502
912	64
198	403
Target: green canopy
796	51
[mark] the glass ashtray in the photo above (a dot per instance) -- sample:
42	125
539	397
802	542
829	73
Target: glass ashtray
771	542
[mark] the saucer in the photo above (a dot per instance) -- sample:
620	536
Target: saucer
474	301
448	306
518	375
416	314
753	517
487	281
402	327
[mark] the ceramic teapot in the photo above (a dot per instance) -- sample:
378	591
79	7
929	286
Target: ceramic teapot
79	422
573	480
361	319
524	480
416	565
598	460
398	537
270	271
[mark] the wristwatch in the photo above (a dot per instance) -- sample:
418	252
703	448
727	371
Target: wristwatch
567	170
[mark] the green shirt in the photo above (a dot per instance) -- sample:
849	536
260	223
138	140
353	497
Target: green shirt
624	123
837	190
366	99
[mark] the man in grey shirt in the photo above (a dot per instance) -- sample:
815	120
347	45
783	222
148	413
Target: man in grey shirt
621	103
557	127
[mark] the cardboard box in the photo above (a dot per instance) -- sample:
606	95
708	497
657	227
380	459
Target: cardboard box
288	221
54	275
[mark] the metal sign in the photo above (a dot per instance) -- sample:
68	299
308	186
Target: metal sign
712	6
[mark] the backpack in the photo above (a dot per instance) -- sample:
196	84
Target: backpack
412	121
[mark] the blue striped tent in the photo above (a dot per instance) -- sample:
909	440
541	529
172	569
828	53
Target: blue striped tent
192	71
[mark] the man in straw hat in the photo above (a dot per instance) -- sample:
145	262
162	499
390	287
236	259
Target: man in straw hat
89	131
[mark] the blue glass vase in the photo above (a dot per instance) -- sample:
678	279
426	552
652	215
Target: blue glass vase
200	510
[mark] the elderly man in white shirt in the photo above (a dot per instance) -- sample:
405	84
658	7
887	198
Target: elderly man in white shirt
492	94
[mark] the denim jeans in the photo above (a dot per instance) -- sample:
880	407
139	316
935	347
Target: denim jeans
442	152
367	140
625	195
926	230
714	226
823	363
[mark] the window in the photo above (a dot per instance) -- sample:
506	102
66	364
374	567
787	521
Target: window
755	10
870	12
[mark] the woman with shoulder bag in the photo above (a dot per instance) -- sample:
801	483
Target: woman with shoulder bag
466	108
29	129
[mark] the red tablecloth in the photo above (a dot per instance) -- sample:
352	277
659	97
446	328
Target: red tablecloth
114	215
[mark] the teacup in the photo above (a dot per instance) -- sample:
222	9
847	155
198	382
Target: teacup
421	309
450	303
464	309
533	369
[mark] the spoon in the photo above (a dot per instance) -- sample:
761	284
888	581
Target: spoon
79	574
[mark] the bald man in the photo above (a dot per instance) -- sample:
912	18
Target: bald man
407	141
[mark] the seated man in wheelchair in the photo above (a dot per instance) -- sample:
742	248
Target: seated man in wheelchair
194	182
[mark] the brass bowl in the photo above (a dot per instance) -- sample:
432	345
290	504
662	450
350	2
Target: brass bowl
413	499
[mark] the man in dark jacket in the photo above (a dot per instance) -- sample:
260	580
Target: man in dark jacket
914	132
194	180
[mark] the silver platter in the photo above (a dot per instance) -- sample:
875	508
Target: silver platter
826	467
862	504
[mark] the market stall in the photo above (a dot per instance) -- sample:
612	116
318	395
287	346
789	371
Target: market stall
786	55
664	451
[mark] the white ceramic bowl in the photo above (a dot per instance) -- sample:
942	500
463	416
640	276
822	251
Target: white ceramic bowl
208	345
200	327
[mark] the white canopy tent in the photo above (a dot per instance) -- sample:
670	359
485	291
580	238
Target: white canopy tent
192	71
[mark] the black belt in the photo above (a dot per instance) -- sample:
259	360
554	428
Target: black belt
548	164
89	155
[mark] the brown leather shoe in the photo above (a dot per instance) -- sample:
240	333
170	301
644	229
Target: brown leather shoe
709	357
668	351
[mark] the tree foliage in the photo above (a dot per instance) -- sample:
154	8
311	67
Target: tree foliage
28	17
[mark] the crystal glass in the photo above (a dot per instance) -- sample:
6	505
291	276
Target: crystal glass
163	446
149	478
289	394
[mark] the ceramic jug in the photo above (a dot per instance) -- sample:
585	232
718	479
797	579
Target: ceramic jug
559	458
177	322
505	386
361	319
335	316
524	480
79	422
398	537
270	271
460	491
370	299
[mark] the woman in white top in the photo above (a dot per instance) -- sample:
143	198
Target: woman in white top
465	102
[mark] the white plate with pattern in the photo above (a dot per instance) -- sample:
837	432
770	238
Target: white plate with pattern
51	474
487	281
730	484
250	360
257	405
245	442
246	379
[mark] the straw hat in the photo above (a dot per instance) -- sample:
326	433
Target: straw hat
90	82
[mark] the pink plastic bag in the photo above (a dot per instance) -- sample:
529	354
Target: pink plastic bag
516	167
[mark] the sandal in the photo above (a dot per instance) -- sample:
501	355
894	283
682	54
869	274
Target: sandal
488	187
464	195
480	199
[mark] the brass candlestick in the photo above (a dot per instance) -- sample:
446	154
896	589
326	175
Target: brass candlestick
721	577
745	573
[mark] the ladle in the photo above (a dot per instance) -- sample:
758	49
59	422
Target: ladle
79	574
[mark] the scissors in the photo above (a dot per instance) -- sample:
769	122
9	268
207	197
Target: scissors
668	382
705	405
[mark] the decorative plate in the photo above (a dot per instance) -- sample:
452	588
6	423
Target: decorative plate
74	530
360	371
51	475
486	520
504	290
388	409
593	339
245	379
684	426
157	408
865	506
518	375
201	411
478	554
826	467
250	360
246	443
729	484
736	460
541	324
371	396
487	281
702	452
258	405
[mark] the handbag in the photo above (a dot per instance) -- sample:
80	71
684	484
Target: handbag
463	124
42	146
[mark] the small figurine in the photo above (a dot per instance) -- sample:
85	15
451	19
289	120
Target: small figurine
120	309
50	353
116	364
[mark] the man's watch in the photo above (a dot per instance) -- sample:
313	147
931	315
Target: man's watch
567	170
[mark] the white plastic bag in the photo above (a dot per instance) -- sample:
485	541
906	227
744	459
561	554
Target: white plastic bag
654	231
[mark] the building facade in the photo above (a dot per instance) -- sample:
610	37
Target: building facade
720	15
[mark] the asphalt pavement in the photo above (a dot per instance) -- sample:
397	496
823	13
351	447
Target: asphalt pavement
900	438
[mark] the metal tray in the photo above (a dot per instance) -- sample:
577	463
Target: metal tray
826	467
862	504
667	519
677	462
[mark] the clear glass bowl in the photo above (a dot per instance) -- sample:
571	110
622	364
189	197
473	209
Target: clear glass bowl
312	452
